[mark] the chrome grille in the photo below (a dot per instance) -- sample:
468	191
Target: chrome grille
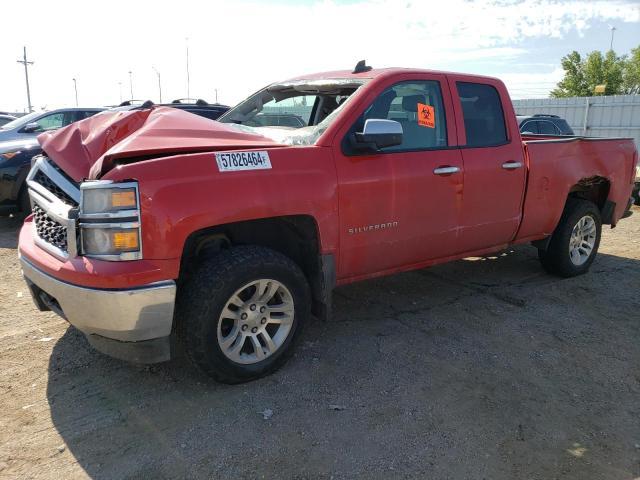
47	183
48	229
54	201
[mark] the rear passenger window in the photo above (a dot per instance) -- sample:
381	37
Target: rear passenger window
483	115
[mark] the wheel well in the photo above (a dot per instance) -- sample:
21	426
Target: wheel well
595	189
295	236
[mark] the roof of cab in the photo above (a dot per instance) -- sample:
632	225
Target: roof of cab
382	72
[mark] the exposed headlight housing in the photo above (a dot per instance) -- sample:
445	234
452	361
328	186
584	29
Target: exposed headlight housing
110	220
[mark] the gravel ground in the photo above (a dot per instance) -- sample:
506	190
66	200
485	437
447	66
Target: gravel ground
480	369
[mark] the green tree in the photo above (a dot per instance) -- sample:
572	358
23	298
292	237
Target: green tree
582	75
631	74
573	84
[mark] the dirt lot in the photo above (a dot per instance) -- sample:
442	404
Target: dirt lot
481	369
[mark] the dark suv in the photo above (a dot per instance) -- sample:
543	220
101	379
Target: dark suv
197	106
543	124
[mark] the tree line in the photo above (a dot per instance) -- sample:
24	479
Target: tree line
619	74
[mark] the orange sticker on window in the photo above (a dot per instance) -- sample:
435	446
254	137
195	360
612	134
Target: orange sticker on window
426	116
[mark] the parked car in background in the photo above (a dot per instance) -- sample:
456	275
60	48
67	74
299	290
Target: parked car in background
197	106
35	123
15	161
543	124
4	119
277	120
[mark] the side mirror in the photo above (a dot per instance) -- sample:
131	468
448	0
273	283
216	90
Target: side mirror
31	127
377	134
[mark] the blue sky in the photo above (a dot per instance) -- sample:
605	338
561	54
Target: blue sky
238	46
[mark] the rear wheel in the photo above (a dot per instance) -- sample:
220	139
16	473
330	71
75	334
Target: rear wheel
241	311
575	241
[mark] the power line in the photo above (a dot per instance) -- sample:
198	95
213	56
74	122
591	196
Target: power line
75	87
159	82
26	76
188	80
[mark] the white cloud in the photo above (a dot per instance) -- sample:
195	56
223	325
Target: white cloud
532	84
239	46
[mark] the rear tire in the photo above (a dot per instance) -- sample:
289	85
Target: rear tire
241	311
575	241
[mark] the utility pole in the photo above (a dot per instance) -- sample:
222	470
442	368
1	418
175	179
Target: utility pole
75	86
131	85
159	83
26	76
120	87
188	91
216	90
613	29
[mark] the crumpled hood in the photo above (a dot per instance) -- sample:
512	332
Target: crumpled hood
89	148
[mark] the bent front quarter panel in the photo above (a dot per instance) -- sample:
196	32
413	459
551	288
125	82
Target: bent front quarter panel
557	165
185	193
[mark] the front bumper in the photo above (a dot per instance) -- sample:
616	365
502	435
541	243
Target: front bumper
132	324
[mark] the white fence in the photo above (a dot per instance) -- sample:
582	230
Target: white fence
611	116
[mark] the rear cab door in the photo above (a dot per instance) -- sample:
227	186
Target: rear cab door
494	162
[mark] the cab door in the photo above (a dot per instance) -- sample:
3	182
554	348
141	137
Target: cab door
494	164
400	205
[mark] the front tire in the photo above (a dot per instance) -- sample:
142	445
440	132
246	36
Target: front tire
575	241
241	311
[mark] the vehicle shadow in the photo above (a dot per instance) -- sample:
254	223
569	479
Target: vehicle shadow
483	368
9	230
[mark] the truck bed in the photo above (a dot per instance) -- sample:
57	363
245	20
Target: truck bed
555	165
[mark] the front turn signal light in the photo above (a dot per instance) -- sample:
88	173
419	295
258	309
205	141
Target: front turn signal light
126	240
123	199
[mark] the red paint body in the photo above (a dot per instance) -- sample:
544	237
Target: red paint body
482	208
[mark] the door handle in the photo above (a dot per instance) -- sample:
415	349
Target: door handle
447	170
511	165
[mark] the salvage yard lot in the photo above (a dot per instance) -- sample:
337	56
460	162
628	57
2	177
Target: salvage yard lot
483	368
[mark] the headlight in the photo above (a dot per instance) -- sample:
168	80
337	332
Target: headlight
109	241
103	200
110	220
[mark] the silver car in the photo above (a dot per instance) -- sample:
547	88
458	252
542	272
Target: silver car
34	124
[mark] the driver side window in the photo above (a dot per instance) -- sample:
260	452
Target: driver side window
419	109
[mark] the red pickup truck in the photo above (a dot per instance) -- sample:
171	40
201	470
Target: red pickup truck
155	228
